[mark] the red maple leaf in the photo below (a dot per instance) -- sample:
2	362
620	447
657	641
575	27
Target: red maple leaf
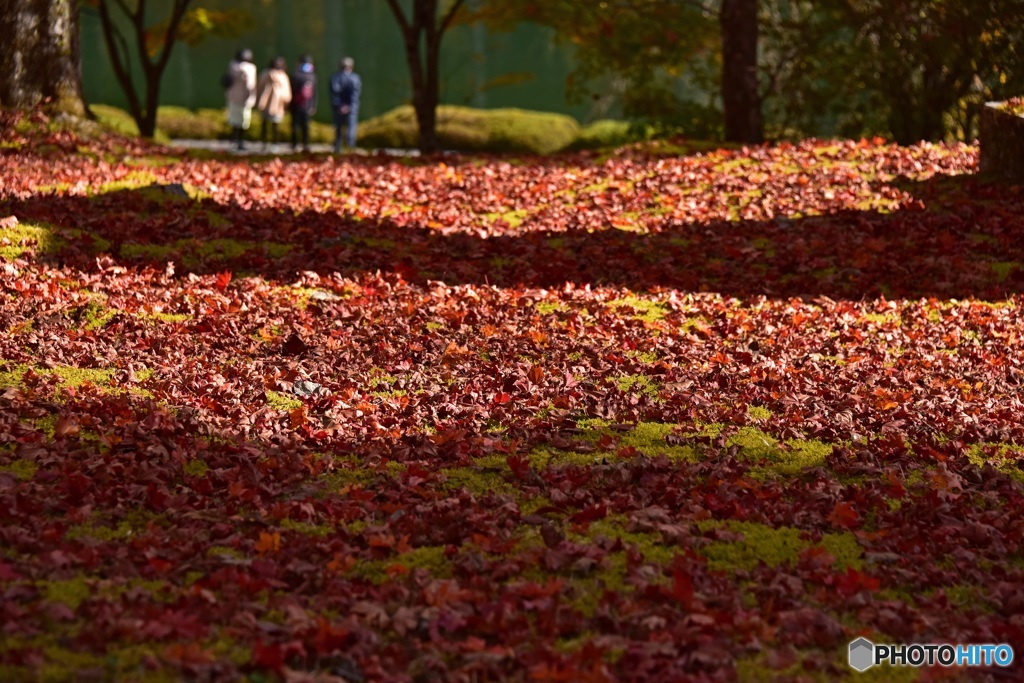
223	280
844	516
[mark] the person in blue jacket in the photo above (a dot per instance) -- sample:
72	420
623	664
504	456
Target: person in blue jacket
345	88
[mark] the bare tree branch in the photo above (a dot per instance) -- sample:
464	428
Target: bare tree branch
403	21
120	63
177	15
446	21
124	8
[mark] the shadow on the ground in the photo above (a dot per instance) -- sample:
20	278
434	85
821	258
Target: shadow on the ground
959	238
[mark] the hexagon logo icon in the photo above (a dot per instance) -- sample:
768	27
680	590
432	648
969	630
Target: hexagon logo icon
862	654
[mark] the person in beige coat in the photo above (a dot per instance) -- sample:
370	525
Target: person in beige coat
273	94
240	94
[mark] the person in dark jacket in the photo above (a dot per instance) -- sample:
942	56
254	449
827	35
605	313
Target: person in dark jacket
303	104
345	89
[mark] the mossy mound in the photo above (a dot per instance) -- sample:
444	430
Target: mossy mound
208	124
179	123
475	130
462	129
608	133
121	122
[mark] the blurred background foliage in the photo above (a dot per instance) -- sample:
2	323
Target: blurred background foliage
903	69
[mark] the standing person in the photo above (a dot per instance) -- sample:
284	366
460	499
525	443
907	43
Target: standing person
273	94
241	95
303	101
345	88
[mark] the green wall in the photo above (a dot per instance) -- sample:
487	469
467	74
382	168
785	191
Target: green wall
525	68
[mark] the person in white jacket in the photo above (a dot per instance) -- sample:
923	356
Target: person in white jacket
241	95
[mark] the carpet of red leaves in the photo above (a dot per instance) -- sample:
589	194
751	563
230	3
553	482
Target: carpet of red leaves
649	417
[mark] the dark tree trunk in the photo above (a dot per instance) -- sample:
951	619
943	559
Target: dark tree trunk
39	59
740	89
421	34
424	98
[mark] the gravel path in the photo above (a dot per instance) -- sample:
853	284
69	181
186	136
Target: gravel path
281	149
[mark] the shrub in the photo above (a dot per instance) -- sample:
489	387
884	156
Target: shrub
475	130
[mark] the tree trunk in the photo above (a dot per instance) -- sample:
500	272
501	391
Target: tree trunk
422	103
422	27
147	123
39	61
427	93
426	120
431	85
740	89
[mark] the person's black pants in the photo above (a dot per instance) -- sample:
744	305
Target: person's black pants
300	128
269	126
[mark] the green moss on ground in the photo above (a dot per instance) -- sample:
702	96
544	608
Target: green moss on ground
17	240
307	529
101	533
585	593
759	413
20	468
135	180
648	357
196	468
69	377
1005	457
431	558
193	252
774	547
69	592
794	456
1004	269
513	218
283	402
487	474
45	240
165	318
547	307
643	309
648	438
637	384
758	670
59	663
